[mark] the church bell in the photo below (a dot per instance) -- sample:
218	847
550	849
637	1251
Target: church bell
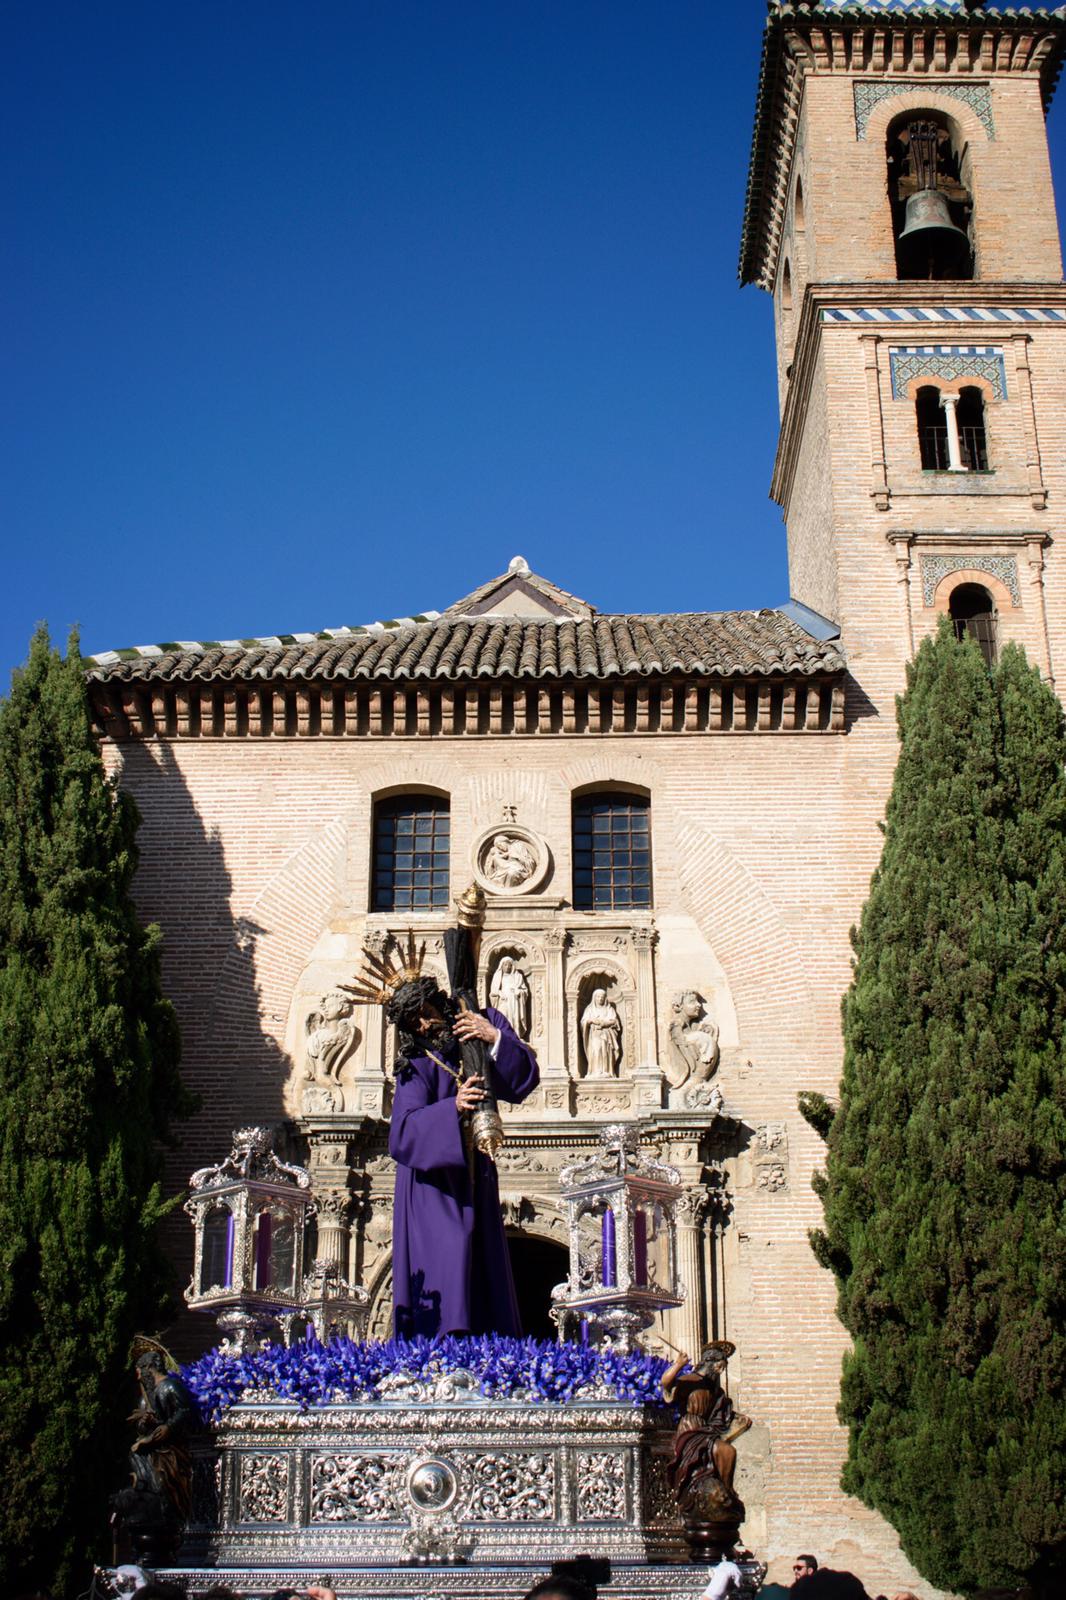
929	237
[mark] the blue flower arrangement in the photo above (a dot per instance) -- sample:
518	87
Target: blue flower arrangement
312	1374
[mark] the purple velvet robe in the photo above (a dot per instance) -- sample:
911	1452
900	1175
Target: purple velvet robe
450	1267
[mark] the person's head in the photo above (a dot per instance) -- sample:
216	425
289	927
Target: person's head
150	1367
805	1566
690	1005
599	997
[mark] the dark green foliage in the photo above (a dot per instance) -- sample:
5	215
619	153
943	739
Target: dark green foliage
945	1183
88	1082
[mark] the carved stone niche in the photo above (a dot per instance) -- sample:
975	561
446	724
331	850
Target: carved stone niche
521	983
597	1052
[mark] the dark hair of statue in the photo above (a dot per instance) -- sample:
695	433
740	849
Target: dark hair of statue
405	1008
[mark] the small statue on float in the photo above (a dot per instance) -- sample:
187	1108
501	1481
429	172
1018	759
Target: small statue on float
153	1510
704	1459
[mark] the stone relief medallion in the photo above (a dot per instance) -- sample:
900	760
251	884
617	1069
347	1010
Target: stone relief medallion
509	859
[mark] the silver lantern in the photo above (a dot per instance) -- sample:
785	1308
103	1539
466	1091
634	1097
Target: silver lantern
250	1214
623	1245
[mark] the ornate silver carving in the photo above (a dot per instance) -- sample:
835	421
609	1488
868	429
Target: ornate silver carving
356	1488
977	96
264	1488
437	1388
935	568
601	1486
432	1484
251	1159
511	1486
431	1540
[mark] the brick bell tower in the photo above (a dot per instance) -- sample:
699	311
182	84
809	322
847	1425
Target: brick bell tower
900	211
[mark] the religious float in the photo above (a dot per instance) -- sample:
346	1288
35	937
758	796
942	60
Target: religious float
437	1463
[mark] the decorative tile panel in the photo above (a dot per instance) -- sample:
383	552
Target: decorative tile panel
947	361
978	96
935	313
935	568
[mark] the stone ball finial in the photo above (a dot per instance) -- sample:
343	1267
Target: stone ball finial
519	564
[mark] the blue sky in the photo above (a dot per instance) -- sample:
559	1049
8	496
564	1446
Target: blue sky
322	312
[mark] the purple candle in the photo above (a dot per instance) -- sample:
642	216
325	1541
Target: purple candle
262	1250
609	1274
640	1248
228	1279
584	1330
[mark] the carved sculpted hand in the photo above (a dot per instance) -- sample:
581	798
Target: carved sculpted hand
470	1095
469	1025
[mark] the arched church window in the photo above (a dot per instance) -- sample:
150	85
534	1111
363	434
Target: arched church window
798	214
973	615
951	429
932	429
412	840
931	208
973	444
786	288
612	851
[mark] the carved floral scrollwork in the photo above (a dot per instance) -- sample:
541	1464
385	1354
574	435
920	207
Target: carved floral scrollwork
355	1488
510	1487
601	1486
264	1488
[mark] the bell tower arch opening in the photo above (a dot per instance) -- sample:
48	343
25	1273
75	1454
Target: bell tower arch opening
931	207
973	615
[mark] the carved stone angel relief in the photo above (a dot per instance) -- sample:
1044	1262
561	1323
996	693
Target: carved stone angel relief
330	1035
693	1041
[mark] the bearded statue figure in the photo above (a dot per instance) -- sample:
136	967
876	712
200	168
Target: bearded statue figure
704	1458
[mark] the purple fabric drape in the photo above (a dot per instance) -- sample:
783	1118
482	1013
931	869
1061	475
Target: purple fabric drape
450	1268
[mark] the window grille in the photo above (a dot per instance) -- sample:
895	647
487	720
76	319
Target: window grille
412	837
612	852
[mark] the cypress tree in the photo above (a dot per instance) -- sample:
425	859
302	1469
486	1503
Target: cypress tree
88	1084
945	1179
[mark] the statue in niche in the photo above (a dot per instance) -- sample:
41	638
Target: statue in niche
509	993
601	1036
509	861
330	1033
694	1040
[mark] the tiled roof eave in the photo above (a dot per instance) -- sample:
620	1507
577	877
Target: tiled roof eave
675	672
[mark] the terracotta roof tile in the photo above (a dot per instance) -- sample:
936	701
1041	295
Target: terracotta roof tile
705	644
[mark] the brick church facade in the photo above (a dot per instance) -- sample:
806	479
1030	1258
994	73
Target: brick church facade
679	811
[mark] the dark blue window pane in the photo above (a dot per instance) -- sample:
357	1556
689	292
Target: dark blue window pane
411	835
611	849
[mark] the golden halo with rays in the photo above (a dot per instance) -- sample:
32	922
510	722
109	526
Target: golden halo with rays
142	1344
383	975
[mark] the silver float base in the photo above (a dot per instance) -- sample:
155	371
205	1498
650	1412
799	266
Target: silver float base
477	1581
435	1475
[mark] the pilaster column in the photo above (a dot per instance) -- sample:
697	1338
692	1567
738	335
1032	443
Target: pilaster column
901	549
879	491
1034	470
644	940
329	1169
949	405
1035	557
555	942
690	1320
